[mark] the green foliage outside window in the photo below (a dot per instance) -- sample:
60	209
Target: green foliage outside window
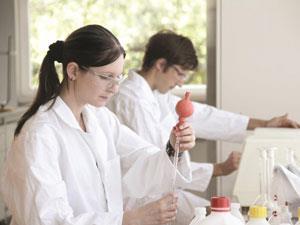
132	21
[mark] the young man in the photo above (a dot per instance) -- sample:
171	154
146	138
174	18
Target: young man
146	106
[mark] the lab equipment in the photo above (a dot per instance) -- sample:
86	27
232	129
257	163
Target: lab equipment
262	198
247	185
275	216
266	158
269	177
220	215
298	223
257	215
294	169
200	214
286	185
281	215
290	154
235	210
184	108
286	215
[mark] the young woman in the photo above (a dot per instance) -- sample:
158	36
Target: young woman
70	153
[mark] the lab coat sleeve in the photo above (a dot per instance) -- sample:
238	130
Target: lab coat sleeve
33	187
145	168
138	115
214	124
202	174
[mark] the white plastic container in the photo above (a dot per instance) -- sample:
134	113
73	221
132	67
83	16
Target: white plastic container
275	216
257	216
275	219
286	215
281	216
298	223
235	210
220	213
200	214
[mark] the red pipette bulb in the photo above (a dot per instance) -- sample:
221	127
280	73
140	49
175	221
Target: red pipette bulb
184	108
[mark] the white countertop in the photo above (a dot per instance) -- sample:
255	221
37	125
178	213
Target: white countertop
12	115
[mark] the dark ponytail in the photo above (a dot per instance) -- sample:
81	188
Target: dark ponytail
92	45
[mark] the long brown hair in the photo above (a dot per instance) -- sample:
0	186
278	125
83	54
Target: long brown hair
88	46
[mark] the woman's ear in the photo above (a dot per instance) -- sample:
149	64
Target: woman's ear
160	64
72	71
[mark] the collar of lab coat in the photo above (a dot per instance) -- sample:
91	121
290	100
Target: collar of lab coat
142	84
66	115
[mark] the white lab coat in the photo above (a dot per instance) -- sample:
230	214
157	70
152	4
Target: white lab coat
152	115
57	174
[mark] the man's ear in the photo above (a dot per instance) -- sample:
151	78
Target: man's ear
160	64
72	70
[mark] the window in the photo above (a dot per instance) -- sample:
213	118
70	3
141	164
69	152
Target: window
133	22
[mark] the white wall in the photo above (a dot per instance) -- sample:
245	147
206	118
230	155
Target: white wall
258	62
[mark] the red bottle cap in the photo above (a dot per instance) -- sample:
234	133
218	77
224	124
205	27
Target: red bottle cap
220	204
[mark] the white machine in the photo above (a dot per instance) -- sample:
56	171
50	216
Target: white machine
247	185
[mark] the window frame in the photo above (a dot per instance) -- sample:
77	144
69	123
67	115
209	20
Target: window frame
22	65
25	92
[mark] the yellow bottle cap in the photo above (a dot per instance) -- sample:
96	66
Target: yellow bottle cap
257	211
299	212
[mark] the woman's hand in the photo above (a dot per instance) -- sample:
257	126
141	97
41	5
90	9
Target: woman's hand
161	211
186	137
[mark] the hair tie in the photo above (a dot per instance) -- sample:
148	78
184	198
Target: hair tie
55	51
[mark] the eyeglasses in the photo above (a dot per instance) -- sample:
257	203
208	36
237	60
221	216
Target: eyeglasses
182	76
108	79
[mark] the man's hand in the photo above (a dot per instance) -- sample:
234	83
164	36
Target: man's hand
282	121
230	165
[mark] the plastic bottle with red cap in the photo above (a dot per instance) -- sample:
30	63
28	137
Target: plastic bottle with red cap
220	213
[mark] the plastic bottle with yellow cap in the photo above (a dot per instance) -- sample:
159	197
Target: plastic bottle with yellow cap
298	223
257	216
